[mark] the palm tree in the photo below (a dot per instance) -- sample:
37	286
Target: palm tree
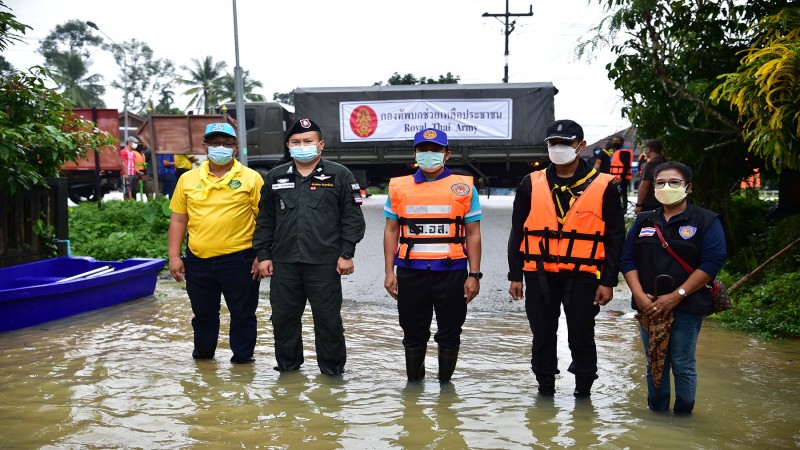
204	79
70	72
227	92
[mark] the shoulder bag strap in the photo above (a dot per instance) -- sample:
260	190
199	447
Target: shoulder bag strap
664	244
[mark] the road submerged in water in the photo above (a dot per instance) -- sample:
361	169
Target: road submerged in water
124	377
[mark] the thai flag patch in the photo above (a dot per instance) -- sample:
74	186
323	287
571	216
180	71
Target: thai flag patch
647	231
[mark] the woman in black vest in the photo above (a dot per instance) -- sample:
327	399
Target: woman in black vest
696	235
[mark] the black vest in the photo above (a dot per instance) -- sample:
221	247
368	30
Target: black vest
685	237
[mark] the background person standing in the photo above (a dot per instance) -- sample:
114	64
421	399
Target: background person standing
183	164
166	174
620	167
306	235
645	195
433	236
218	204
567	232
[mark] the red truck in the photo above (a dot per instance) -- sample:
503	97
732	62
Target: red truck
96	174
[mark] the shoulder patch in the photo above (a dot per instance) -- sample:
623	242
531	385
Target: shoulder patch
460	189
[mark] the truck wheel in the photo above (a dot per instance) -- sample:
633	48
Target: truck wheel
75	197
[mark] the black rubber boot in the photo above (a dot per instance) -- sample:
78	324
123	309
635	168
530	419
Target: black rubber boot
415	363
583	387
447	363
547	385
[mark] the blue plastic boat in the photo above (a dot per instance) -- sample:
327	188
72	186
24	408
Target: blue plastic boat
55	288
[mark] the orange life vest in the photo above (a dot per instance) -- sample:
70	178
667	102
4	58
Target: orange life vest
578	244
431	216
617	166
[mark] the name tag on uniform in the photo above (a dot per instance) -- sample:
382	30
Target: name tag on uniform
283	183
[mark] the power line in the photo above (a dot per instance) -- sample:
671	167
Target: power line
509	29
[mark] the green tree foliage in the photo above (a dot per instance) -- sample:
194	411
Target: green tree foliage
147	77
70	72
284	97
765	90
397	79
204	79
6	68
39	132
66	50
669	56
11	30
74	36
227	88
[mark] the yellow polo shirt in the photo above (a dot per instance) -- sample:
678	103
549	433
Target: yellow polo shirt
183	162
222	212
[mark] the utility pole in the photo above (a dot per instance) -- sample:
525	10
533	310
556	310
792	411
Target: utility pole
238	74
509	29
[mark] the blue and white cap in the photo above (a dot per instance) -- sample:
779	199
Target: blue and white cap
224	128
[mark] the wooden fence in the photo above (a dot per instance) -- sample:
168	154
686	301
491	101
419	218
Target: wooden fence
19	240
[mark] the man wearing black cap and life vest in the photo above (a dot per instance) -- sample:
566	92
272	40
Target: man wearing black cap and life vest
433	236
567	233
306	234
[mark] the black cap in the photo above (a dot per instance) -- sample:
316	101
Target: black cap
564	129
302	126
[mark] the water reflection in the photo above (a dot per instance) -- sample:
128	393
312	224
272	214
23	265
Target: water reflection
124	377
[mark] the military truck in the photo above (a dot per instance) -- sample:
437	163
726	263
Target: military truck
496	131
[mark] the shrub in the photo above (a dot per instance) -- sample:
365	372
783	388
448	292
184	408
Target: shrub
769	309
120	230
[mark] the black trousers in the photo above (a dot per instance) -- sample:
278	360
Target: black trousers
290	286
207	279
419	294
543	314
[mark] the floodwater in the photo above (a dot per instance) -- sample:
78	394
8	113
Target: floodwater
124	377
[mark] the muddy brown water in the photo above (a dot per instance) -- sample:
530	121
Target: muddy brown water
124	377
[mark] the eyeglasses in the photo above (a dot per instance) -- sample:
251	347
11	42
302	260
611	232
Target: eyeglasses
221	144
673	183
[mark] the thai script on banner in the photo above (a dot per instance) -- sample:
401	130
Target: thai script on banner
393	120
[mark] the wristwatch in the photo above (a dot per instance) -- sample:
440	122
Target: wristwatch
346	256
477	275
681	292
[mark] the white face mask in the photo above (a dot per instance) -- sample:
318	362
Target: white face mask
134	145
561	154
670	195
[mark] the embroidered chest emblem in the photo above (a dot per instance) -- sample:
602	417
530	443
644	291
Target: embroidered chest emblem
235	184
460	189
687	231
322	177
282	180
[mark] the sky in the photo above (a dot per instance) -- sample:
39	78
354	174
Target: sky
327	43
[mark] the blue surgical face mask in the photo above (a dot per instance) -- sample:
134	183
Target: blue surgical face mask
304	153
430	161
220	155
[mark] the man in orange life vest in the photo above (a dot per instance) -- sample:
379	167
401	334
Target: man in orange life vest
567	233
621	162
434	216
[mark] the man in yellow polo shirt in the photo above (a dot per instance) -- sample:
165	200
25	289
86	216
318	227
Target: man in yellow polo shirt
218	203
